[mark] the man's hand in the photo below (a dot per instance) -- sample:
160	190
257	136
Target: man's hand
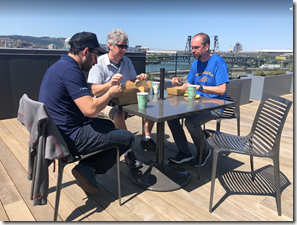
142	76
117	90
176	81
115	79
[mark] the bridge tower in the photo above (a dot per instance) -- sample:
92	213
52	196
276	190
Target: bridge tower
216	47
188	44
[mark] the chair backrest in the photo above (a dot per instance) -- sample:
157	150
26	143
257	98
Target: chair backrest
233	94
268	123
36	118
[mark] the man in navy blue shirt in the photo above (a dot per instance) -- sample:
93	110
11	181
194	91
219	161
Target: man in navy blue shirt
71	105
209	72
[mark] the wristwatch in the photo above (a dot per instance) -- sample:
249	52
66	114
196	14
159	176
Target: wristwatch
200	88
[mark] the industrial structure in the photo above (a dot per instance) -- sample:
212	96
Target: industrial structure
188	44
237	47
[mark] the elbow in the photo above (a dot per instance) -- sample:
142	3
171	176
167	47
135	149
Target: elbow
222	90
94	90
90	113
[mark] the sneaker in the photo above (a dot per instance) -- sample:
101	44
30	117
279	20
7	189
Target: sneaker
205	156
150	144
85	177
131	161
181	157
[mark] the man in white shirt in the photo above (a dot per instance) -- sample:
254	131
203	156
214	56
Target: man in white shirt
113	68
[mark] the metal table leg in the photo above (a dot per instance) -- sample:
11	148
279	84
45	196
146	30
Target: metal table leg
158	176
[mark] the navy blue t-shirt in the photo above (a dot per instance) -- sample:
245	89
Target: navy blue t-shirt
62	83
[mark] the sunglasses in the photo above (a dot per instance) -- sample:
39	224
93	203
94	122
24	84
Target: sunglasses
122	46
96	53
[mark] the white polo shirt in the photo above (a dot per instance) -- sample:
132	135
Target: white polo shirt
103	71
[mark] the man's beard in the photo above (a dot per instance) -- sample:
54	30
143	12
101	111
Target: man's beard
197	56
86	66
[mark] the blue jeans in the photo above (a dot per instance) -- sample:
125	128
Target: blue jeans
97	134
193	124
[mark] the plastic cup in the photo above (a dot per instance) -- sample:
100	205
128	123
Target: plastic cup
156	87
191	91
142	99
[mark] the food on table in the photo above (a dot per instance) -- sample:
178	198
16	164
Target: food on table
186	95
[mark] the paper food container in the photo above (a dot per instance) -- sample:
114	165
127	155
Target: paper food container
176	90
129	95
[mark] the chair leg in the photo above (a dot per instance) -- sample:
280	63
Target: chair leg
238	126
33	177
213	177
200	154
277	185
58	190
119	177
143	134
252	167
218	125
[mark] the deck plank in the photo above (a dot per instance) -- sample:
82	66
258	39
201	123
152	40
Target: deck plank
3	215
11	199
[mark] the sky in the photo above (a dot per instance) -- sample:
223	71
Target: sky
157	24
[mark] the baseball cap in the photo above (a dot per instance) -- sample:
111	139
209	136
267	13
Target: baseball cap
83	40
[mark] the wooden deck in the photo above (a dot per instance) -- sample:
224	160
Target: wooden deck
255	202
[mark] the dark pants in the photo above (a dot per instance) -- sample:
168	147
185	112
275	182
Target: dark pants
99	134
193	124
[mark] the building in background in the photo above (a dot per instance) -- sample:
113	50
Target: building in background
237	47
52	46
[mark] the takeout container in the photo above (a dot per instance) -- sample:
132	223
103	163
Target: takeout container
176	90
129	95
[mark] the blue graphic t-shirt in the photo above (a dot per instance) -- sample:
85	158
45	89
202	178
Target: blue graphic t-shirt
210	73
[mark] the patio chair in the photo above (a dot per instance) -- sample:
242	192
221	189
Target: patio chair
262	141
46	128
231	112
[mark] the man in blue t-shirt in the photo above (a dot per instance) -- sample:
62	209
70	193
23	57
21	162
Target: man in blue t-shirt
209	73
70	103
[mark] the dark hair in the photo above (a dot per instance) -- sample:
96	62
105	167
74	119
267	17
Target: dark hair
74	51
205	38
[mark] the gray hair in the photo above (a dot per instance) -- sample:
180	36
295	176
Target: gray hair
115	36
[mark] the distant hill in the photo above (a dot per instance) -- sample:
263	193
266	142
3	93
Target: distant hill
19	41
37	42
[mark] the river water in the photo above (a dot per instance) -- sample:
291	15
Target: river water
171	66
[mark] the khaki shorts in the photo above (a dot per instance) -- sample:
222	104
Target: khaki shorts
109	111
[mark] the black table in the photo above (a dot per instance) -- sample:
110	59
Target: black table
156	175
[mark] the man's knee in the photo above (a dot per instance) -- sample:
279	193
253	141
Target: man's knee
118	115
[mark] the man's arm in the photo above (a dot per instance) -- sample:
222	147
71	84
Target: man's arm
91	106
216	90
99	89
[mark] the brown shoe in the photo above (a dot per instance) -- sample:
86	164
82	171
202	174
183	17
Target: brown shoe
85	177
